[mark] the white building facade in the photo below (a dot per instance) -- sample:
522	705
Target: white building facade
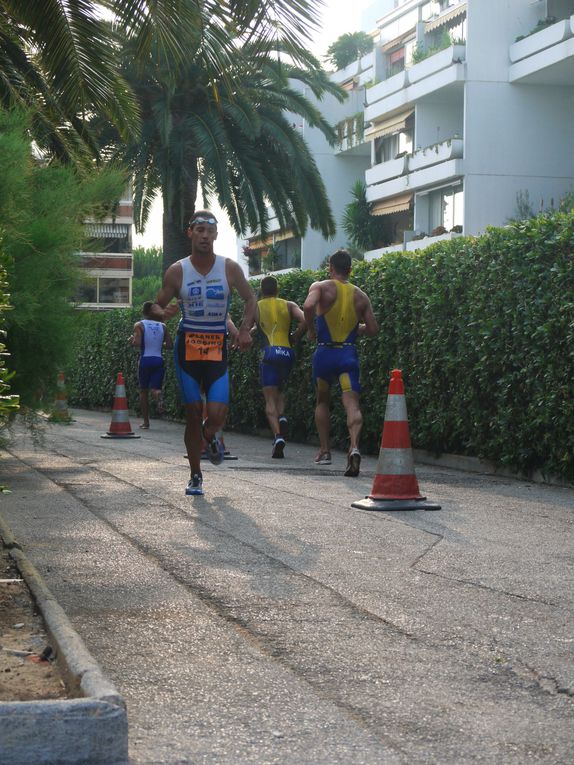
467	113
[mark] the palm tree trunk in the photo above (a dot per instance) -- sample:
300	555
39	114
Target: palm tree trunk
176	244
177	212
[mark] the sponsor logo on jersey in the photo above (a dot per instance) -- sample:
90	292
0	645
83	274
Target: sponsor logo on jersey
215	292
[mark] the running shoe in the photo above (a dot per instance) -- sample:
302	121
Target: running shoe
353	463
323	458
283	426
215	449
195	485
278	446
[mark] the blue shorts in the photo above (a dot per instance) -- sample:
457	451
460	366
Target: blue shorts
336	363
151	371
194	376
275	365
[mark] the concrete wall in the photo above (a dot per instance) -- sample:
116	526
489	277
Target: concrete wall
517	136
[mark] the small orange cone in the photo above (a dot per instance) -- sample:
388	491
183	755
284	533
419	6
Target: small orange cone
120	426
60	413
395	486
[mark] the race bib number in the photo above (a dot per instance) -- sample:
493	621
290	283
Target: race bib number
203	346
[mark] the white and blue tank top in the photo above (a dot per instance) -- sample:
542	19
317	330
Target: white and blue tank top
204	300
152	340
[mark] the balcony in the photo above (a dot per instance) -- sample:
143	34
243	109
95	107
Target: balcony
444	69
545	57
384	171
432	155
434	164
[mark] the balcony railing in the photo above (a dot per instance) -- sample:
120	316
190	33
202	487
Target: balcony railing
435	72
444	151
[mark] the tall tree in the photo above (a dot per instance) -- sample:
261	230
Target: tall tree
348	48
232	136
42	209
57	57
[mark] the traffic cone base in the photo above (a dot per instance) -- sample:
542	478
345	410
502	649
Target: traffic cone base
395	504
120	426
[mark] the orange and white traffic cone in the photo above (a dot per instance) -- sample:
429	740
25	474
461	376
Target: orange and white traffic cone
395	486
60	413
120	426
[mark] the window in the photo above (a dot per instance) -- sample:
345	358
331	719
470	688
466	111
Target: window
103	291
446	207
390	146
396	61
114	290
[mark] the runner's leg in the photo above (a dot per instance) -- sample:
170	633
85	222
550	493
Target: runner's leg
322	415
192	435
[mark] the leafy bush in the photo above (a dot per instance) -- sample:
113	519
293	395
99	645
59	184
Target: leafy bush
483	329
42	209
8	402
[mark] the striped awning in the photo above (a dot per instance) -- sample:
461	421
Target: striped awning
389	127
107	230
393	205
444	18
259	244
398	41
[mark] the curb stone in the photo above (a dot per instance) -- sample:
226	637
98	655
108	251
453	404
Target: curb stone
89	729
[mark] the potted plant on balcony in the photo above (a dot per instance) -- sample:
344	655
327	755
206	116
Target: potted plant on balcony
253	258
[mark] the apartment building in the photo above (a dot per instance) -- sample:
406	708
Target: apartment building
108	266
467	112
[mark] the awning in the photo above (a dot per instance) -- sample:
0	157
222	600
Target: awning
259	244
107	230
393	205
388	127
397	41
450	15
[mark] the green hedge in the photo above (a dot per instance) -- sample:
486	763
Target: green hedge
483	329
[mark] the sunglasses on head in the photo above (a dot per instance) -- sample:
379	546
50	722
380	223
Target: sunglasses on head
201	219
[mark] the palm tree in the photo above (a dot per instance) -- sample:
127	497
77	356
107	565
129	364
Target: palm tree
58	57
229	136
348	48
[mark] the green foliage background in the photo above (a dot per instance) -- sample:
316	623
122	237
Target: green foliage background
42	209
483	329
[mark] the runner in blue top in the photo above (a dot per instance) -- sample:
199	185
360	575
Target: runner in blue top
150	336
202	284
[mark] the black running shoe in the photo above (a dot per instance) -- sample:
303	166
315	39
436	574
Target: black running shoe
278	446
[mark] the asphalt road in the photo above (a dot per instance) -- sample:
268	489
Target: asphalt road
271	622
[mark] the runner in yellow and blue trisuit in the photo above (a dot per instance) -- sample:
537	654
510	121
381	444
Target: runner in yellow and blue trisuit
274	318
337	312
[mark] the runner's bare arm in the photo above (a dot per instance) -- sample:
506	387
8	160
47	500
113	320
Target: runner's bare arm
297	315
236	279
309	308
369	325
233	333
135	338
169	290
167	339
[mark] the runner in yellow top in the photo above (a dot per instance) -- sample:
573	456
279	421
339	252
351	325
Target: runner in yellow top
274	318
337	312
